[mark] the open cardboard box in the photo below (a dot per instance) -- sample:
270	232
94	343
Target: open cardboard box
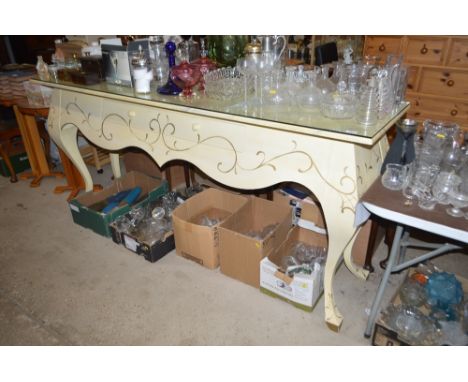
198	242
301	290
150	251
85	215
240	255
308	214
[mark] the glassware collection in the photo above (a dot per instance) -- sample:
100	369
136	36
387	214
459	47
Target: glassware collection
252	70
438	174
431	309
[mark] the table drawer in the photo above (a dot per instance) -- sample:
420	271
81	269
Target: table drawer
412	77
458	55
439	109
382	45
424	50
444	82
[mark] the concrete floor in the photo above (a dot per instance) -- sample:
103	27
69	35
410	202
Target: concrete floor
61	284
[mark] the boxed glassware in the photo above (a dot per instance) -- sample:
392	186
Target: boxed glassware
196	224
294	271
246	237
87	208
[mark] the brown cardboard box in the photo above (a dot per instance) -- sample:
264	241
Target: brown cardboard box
239	254
138	160
198	242
301	290
308	214
305	209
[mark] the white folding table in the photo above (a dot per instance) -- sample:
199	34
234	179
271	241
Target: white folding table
393	206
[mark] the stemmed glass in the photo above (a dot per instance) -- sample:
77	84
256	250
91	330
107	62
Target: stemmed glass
458	200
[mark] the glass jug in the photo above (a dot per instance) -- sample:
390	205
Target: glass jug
273	48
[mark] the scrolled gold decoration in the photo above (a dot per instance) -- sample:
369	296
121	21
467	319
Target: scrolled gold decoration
163	131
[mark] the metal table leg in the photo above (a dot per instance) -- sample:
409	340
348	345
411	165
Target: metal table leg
383	283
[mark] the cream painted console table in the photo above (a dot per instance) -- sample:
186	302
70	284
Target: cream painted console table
243	147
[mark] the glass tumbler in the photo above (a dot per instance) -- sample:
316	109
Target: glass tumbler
395	176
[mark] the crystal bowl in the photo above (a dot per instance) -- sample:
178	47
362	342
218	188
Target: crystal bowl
337	106
226	84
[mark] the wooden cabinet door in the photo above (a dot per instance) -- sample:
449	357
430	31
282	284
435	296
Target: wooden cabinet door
426	50
444	82
458	55
382	46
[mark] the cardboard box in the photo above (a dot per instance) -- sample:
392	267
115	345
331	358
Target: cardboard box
84	215
18	158
240	255
151	252
307	213
198	242
301	290
138	160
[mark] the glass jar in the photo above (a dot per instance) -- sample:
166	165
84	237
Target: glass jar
142	73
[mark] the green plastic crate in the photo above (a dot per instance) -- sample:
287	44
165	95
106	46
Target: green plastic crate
19	161
84	215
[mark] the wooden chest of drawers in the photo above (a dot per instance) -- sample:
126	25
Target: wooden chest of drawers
437	74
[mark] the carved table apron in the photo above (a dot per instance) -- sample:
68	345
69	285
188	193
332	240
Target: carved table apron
238	152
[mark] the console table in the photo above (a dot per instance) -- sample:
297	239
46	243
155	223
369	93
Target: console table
247	147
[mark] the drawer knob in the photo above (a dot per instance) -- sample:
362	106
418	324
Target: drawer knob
382	47
453	112
424	50
450	83
131	114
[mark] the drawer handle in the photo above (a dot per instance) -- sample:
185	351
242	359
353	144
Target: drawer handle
450	83
424	50
382	47
453	112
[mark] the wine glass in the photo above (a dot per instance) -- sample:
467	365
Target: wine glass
458	200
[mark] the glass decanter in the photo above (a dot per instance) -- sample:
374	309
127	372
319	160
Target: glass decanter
309	95
324	83
170	88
